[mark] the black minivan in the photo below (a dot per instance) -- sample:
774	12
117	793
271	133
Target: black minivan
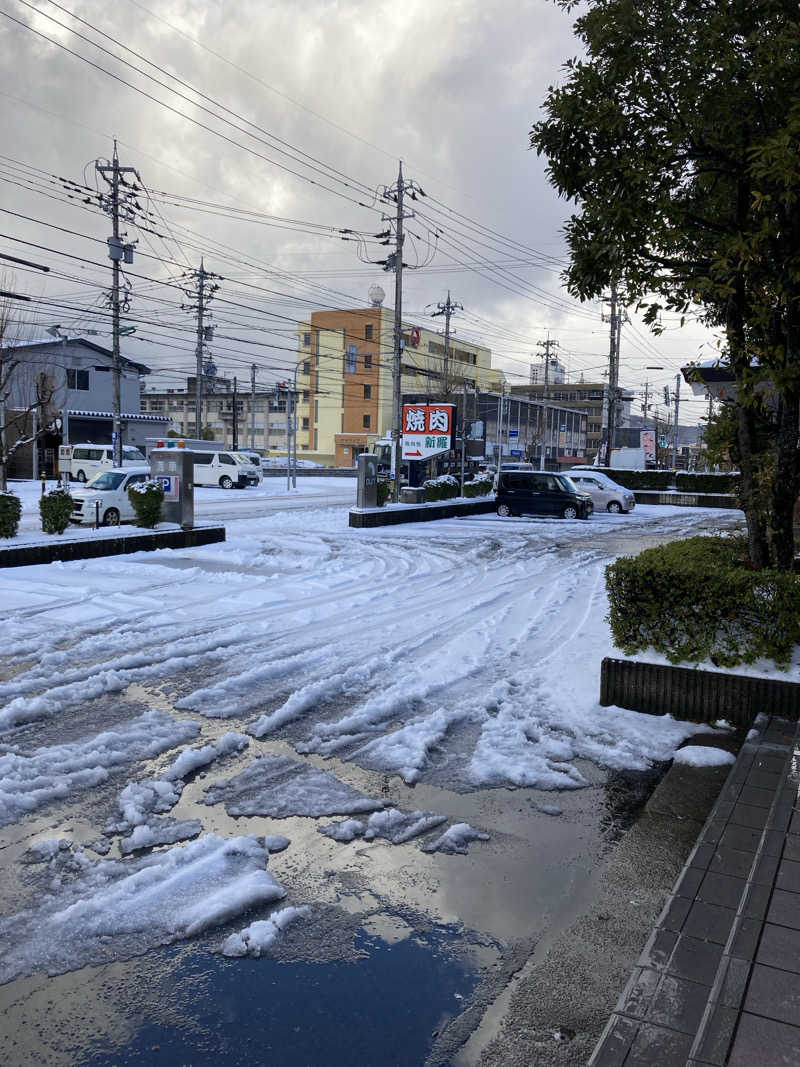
540	493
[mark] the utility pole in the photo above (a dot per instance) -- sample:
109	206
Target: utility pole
395	263
463	428
675	425
548	345
253	407
204	288
235	427
613	375
447	310
114	204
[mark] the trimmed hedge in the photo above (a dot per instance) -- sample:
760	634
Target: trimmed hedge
10	512
55	509
707	483
637	479
445	487
146	499
698	599
384	492
478	487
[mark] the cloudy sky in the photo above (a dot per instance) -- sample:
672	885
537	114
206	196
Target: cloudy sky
307	108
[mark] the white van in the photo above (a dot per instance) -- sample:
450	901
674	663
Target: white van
225	470
82	462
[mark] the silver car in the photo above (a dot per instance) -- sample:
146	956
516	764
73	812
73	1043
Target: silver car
604	492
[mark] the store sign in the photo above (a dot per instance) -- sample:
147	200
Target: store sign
428	429
647	441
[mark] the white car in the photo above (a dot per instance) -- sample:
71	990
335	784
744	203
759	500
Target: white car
604	492
105	498
82	462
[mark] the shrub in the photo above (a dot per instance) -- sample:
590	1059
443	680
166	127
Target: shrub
56	508
638	479
10	512
478	487
146	499
384	492
698	599
707	483
445	487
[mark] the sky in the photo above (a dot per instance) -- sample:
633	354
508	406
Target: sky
307	110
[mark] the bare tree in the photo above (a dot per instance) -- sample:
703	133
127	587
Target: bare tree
30	390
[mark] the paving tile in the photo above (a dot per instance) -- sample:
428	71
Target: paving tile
780	817
794	825
678	1004
748	815
784	909
695	959
639	992
689	882
613	1047
710	922
744	943
702	855
766	869
721	889
741	838
779	947
760	798
773	842
658	950
755	901
658	1045
731	861
774	994
770	764
722	809
729	991
712	1045
789	877
764	779
792	848
674	915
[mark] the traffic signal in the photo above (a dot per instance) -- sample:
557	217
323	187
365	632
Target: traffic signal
666	395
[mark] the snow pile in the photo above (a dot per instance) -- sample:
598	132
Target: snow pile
114	909
139	800
256	938
192	758
279	786
393	825
456	839
56	772
160	832
703	756
406	751
43	851
276	842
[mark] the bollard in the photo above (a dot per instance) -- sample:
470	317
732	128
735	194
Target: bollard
97	514
44	482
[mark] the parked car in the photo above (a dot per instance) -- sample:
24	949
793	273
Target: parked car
540	493
109	490
82	462
226	470
604	491
252	457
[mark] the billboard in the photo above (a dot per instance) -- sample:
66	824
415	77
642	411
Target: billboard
647	441
428	429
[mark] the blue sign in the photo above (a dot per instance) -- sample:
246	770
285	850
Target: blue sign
170	483
516	451
513	433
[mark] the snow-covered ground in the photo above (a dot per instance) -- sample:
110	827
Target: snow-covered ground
397	681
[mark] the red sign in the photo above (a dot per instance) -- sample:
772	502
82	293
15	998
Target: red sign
427	429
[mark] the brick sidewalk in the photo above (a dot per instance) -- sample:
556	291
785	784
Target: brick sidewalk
719	979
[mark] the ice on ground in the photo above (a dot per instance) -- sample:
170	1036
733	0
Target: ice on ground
56	772
192	758
704	756
42	851
160	832
139	800
393	825
456	839
406	751
279	786
256	938
115	909
276	842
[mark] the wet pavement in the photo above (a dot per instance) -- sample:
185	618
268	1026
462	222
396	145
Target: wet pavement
718	982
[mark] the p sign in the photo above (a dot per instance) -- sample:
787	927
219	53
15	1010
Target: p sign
171	484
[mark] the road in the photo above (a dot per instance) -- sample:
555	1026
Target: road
439	676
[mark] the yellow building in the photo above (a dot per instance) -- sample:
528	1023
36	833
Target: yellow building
345	378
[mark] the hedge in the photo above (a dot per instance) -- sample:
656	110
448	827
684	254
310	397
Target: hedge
478	487
637	479
698	600
707	483
445	487
10	512
146	500
686	481
384	492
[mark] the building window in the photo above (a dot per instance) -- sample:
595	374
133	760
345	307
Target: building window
367	392
367	362
305	423
366	422
316	440
351	364
316	411
306	395
307	367
368	332
307	340
77	379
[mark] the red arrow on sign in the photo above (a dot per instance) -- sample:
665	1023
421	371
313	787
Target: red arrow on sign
417	453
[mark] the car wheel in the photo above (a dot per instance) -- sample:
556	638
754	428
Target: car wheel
225	482
81	476
111	517
569	512
504	511
614	507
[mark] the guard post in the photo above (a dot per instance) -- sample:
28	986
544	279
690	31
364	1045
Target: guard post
367	494
174	469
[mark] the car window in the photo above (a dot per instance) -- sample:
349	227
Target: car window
226	459
134	478
202	458
94	453
106	480
80	453
129	452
